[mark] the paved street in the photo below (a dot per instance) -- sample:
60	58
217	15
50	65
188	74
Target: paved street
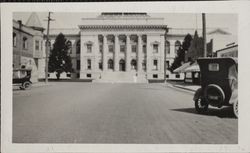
68	112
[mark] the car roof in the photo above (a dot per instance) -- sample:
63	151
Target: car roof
219	58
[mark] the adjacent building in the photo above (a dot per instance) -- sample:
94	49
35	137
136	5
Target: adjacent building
228	51
28	45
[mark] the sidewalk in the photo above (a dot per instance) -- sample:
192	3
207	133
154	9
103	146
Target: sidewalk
185	86
40	84
34	85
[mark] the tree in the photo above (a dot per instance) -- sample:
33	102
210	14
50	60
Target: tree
59	59
180	58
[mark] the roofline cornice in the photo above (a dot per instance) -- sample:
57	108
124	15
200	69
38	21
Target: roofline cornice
122	26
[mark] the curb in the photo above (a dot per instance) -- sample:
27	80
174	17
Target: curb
181	87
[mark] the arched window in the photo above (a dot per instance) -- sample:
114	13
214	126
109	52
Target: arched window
100	64
78	47
14	39
167	46
133	64
155	64
144	65
69	44
177	46
25	43
110	64
122	65
89	64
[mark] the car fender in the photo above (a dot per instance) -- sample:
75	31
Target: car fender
197	94
234	97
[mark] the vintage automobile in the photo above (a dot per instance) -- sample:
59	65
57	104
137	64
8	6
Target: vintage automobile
22	77
219	84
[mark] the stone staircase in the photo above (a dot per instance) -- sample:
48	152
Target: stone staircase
121	77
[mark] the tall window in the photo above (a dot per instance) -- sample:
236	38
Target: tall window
25	43
122	48
144	49
37	44
100	64
134	48
167	46
100	48
89	48
155	65
111	48
78	64
167	64
122	65
14	39
144	65
89	64
155	48
78	47
110	64
69	44
41	45
177	46
133	64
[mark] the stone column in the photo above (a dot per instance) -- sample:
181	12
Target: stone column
128	52
104	54
172	48
148	55
96	51
139	54
116	55
162	53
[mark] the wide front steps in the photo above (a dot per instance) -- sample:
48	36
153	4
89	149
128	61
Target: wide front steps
122	77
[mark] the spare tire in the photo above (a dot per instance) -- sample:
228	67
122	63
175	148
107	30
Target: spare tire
214	95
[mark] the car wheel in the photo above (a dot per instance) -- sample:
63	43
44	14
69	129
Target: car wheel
26	85
235	109
201	105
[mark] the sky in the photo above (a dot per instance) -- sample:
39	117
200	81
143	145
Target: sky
228	22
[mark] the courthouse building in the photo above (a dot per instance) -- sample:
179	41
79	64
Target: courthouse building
122	47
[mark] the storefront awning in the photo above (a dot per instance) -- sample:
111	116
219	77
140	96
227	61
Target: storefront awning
182	68
193	68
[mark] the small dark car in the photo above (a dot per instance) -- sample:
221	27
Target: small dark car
22	77
219	84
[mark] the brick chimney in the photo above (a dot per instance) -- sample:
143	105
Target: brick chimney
20	23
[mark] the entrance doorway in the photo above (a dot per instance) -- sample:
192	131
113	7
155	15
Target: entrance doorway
122	65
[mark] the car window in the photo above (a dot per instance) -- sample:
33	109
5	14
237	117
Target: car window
213	67
16	74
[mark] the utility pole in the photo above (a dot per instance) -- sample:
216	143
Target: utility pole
204	34
47	50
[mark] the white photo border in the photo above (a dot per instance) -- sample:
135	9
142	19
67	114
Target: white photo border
242	8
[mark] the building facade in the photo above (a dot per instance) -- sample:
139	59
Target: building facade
230	50
122	47
28	45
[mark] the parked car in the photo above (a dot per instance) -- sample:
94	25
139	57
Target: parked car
22	77
219	84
